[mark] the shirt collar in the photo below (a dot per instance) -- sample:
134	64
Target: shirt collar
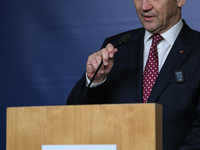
170	35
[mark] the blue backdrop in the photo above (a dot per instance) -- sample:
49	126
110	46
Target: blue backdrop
44	45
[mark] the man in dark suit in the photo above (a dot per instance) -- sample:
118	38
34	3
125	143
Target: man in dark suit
177	87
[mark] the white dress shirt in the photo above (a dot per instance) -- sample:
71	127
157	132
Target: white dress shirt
163	47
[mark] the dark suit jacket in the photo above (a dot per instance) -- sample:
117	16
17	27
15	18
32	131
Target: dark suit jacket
181	102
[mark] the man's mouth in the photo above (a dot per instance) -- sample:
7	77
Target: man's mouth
148	18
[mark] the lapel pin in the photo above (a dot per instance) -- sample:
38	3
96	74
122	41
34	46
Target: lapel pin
181	52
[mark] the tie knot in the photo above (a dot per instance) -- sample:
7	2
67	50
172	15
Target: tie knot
157	38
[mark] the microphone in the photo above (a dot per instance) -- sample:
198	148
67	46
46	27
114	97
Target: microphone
123	40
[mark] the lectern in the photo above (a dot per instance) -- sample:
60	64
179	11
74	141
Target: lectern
129	126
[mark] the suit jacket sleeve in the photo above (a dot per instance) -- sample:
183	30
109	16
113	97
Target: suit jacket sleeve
192	140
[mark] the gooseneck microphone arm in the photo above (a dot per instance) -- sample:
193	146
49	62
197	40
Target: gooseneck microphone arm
125	39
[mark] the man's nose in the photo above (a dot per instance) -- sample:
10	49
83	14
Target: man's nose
146	5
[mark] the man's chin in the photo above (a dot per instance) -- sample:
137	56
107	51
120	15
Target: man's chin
152	29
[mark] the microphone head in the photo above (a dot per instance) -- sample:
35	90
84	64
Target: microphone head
125	39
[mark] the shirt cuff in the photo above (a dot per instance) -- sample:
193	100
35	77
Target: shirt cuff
93	84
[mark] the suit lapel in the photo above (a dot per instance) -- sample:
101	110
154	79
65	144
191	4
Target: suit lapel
135	54
173	62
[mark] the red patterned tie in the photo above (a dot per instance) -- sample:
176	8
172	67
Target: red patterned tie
151	69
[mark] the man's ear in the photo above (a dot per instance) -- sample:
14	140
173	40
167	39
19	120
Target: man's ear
180	3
